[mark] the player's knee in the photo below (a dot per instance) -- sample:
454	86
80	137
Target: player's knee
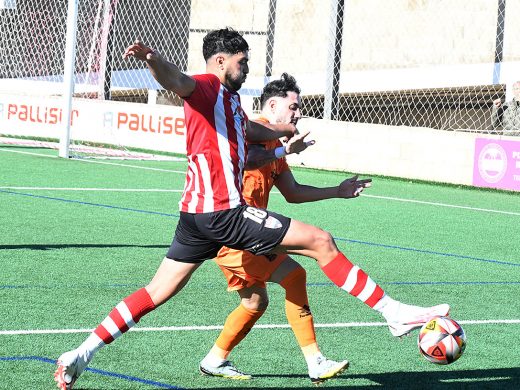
256	302
324	242
297	277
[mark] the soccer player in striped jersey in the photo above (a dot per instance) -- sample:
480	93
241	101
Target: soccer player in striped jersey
213	212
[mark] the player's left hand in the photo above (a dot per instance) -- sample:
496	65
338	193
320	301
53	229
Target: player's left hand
352	187
140	51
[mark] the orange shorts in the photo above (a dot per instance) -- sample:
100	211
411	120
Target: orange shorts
243	269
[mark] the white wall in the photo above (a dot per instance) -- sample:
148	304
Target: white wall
399	151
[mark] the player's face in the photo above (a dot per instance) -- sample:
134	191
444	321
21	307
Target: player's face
236	70
287	109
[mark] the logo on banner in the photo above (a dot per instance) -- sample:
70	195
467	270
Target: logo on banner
492	163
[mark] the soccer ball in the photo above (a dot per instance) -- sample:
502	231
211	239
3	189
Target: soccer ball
441	340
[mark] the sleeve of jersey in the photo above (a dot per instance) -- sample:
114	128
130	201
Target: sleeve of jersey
206	90
282	165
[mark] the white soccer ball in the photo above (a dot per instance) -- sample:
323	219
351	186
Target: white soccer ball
441	340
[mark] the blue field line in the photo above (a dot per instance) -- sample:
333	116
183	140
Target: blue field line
213	285
95	371
424	283
428	252
336	238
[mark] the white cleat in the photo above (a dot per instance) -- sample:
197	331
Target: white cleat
408	317
326	369
70	366
225	370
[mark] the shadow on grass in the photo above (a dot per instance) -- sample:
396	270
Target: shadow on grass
46	247
499	378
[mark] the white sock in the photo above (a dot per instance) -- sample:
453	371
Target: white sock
386	306
212	360
312	360
90	346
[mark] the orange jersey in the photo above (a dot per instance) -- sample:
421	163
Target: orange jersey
257	183
242	268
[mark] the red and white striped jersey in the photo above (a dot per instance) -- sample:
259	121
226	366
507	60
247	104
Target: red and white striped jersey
216	147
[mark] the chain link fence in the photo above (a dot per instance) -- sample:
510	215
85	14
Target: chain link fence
422	63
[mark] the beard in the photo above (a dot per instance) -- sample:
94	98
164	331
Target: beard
235	83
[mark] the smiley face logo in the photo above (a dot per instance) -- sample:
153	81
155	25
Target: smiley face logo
492	163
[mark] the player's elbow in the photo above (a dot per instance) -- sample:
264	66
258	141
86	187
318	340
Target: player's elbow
293	198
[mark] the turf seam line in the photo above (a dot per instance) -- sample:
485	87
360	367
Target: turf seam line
336	238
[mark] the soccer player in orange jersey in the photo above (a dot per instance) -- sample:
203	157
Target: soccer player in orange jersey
247	274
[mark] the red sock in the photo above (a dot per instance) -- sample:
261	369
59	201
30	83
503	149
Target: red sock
354	280
125	315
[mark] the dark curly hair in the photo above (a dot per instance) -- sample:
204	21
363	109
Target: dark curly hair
286	83
225	40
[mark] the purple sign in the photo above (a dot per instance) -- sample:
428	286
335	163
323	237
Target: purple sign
497	164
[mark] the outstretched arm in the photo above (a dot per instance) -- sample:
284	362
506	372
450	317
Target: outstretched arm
294	192
258	155
260	132
166	73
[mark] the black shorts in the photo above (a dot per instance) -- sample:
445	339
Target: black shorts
199	237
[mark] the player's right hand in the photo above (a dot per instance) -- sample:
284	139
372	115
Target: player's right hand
497	103
297	143
352	187
140	51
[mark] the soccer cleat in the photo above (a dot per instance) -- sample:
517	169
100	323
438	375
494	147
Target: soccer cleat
225	370
326	369
70	366
407	317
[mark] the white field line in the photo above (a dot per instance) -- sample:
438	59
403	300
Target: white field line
273	192
434	204
442	204
98	162
89	189
219	327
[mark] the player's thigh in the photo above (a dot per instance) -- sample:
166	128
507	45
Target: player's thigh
301	236
170	278
284	269
254	297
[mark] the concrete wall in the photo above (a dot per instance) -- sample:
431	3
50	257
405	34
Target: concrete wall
412	153
378	34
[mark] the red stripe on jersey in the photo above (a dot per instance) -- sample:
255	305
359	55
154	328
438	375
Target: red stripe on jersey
233	140
200	196
189	187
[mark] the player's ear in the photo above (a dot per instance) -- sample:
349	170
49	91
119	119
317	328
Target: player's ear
272	105
219	61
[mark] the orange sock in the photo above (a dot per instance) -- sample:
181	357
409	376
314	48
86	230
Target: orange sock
297	307
237	326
